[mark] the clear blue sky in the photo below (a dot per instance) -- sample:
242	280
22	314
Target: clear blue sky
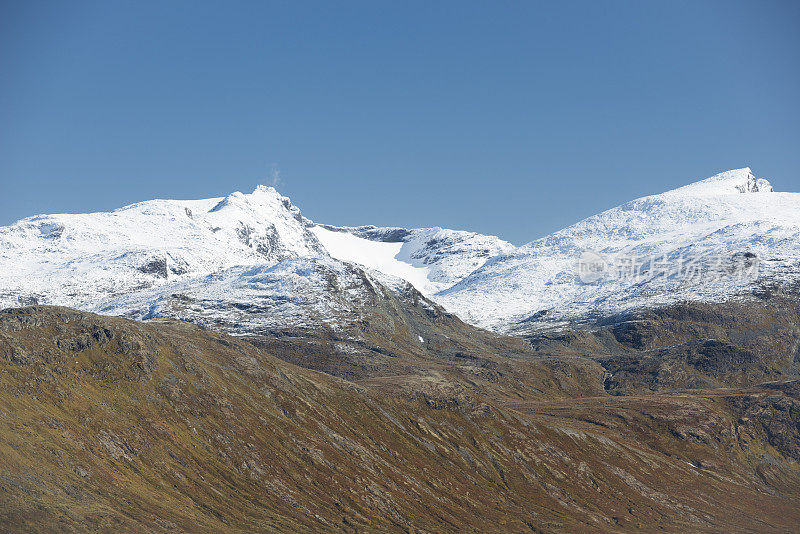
507	118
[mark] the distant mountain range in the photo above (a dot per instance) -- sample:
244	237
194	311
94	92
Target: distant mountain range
250	261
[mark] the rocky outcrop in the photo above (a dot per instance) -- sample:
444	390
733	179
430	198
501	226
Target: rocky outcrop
690	345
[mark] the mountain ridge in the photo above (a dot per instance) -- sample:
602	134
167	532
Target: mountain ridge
708	225
130	260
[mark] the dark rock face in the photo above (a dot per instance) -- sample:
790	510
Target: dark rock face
771	417
267	244
157	267
163	267
374	233
720	358
691	345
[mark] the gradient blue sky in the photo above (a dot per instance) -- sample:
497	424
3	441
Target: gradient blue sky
507	118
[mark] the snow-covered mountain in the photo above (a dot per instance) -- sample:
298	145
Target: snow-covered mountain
710	240
252	261
78	260
247	261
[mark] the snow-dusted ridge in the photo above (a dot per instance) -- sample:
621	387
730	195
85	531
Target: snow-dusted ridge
721	219
77	259
252	260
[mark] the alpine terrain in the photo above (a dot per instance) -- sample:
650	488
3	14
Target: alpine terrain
229	365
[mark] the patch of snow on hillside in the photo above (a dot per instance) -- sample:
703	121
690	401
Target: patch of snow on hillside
447	255
378	255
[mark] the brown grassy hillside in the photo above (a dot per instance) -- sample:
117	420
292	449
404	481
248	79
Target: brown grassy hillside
116	426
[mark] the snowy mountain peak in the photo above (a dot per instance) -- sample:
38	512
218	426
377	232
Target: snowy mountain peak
78	259
725	183
268	189
263	197
131	259
266	222
657	249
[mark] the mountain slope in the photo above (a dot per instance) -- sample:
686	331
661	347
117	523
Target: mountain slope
113	425
708	241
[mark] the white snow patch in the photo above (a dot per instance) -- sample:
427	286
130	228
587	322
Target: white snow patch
378	255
